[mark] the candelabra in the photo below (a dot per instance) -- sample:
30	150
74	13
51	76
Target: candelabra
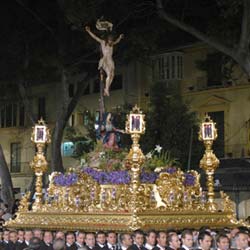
135	126
209	161
40	137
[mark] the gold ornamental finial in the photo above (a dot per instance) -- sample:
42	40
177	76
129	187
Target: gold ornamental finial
209	162
40	137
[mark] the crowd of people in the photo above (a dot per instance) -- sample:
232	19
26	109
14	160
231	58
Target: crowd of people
187	239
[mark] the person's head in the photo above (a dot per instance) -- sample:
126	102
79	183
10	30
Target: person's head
28	234
48	237
174	241
13	236
109	39
58	244
138	237
80	238
90	239
111	238
20	235
70	238
101	237
35	243
151	237
222	242
241	240
205	240
38	233
60	235
162	239
6	235
126	239
187	238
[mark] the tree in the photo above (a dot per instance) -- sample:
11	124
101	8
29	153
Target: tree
169	124
237	48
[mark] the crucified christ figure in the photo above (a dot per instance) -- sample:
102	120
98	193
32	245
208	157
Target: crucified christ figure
106	62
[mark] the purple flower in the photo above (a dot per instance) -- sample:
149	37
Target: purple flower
148	177
171	170
113	177
66	180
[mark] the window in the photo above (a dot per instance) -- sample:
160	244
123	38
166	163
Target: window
21	116
214	74
117	83
9	115
41	108
168	66
67	149
218	145
15	157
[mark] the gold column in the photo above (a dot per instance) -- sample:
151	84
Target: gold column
209	161
135	126
40	137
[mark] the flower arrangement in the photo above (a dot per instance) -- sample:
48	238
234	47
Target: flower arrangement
109	168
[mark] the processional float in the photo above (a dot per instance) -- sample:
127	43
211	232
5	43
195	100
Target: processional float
86	199
175	199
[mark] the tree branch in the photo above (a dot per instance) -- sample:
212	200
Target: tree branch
245	26
39	19
191	30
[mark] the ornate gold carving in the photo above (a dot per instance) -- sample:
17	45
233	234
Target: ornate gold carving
40	136
209	162
169	202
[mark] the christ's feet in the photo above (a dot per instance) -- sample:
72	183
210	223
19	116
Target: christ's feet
106	92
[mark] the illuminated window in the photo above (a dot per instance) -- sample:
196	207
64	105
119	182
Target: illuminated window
67	149
168	66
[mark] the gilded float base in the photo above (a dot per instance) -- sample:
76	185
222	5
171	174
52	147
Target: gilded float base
121	222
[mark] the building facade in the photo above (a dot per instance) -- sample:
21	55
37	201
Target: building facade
196	71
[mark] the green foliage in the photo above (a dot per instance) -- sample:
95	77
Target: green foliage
157	158
169	124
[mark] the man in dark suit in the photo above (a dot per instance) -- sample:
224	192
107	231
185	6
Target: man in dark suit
70	241
187	240
47	242
20	236
161	239
222	242
111	238
5	242
205	240
241	240
13	240
150	239
80	239
101	241
125	241
173	242
90	241
138	240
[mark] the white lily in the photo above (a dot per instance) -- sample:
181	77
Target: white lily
149	155
158	148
